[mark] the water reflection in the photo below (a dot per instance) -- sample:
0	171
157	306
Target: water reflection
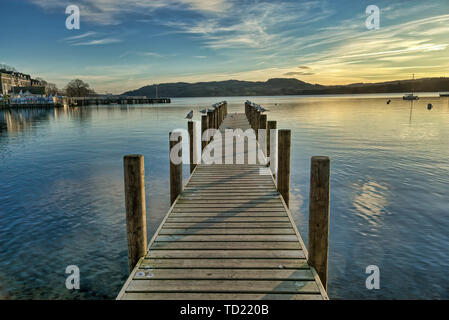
371	202
16	120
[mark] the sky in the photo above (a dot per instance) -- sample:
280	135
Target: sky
123	45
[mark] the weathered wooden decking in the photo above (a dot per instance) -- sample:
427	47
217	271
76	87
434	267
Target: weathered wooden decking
229	235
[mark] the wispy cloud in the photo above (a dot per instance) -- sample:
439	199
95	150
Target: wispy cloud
91	38
81	36
151	54
97	42
296	73
112	12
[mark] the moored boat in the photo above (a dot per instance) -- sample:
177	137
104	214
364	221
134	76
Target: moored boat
410	96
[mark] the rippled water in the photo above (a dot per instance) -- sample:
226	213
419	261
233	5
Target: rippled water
62	202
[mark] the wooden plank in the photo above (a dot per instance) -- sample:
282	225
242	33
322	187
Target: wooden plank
224	197
217	209
225	263
225	274
192	204
247	237
230	193
237	202
226	245
216	231
228	214
231	184
228	225
177	219
215	254
241	286
218	296
251	186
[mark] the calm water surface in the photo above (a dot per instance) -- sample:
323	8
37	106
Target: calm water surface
62	201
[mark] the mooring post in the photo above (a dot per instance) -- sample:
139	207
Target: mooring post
283	183
270	125
319	216
175	169
217	119
210	118
203	129
136	215
222	112
257	124
193	144
263	126
253	115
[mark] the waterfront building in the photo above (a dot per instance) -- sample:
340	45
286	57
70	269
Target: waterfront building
12	81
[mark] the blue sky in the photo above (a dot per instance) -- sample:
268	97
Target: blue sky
123	44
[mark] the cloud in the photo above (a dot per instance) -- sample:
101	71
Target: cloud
91	38
260	25
292	73
151	54
97	42
81	36
111	12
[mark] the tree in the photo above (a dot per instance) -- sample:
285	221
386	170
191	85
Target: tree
78	88
42	81
51	88
7	68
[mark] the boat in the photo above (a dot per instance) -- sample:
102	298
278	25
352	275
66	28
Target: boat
410	96
445	94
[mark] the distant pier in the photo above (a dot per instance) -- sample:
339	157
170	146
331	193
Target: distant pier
87	101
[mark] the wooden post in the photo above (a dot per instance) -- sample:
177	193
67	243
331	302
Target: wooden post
283	183
203	129
216	118
210	117
136	215
319	216
270	125
175	171
193	144
263	126
257	124
251	115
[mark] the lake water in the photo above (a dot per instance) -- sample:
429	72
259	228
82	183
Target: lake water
62	201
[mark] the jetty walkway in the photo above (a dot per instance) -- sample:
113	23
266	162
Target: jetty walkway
229	234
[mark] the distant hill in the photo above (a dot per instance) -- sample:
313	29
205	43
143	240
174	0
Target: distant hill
285	86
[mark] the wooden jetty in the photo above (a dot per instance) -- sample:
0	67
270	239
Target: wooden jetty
229	234
31	105
98	100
